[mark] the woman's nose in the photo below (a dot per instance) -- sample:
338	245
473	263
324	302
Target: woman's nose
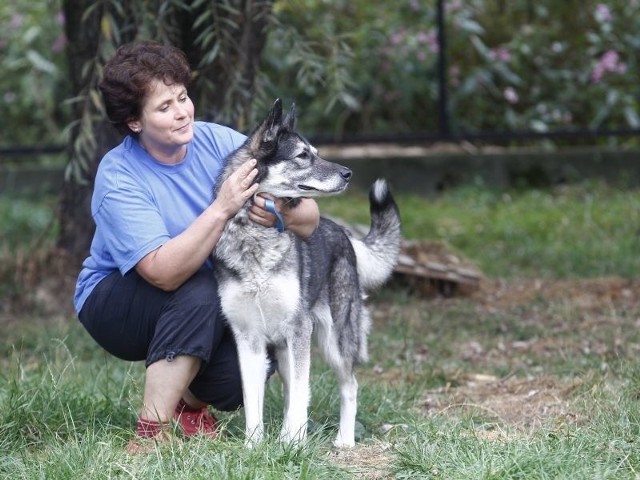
180	111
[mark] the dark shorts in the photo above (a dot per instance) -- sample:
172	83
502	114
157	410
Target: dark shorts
133	320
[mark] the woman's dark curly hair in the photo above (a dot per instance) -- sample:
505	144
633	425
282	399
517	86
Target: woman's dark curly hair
128	76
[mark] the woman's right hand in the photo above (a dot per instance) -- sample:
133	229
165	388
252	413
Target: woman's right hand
237	189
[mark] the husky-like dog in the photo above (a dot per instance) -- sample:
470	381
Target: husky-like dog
276	289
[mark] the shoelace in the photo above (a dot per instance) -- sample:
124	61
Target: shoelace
194	421
201	418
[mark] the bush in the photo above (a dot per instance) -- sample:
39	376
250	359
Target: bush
516	65
33	81
371	67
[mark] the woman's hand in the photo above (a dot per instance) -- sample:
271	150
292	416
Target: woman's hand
237	189
301	220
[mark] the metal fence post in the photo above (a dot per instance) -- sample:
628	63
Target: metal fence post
443	100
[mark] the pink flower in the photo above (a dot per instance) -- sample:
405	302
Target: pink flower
422	37
603	14
608	63
397	38
511	95
430	39
500	54
454	6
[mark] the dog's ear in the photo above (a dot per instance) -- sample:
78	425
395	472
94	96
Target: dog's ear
290	120
273	122
262	142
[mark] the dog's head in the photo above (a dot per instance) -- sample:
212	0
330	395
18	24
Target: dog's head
288	165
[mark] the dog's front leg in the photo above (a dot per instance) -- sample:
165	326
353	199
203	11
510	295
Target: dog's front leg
252	354
294	363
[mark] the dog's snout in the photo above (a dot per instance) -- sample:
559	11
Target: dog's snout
346	173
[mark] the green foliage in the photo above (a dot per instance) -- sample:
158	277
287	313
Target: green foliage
23	220
359	66
546	65
516	65
33	83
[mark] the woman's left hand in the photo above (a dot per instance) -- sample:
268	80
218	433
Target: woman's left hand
301	220
258	212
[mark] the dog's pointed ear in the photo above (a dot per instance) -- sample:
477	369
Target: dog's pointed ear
266	133
273	122
290	120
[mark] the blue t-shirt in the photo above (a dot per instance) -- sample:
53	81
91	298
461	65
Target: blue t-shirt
139	203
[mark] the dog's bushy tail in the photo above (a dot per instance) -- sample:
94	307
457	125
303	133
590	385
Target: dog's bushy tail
377	253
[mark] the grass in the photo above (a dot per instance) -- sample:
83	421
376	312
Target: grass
583	230
534	376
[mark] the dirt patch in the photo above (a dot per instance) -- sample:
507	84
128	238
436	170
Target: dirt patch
522	404
584	318
584	293
369	461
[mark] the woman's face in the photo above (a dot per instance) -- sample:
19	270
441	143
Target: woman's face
166	124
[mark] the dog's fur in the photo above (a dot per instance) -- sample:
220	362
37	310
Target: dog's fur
276	289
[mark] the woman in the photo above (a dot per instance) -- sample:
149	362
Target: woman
146	291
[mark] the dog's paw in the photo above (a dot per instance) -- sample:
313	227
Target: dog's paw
342	443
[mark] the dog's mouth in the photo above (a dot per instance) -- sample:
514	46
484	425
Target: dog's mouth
310	191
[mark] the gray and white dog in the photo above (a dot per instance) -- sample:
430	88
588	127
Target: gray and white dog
277	290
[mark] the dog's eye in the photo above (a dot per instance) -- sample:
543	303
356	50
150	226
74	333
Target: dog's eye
304	155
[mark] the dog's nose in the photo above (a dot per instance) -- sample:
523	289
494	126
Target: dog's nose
346	173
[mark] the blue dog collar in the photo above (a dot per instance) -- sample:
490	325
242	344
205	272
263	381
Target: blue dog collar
271	207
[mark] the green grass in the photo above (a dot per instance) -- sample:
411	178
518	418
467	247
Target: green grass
67	409
583	230
525	379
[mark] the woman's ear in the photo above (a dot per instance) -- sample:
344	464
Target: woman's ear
134	126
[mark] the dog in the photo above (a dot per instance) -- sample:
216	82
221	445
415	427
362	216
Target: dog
276	289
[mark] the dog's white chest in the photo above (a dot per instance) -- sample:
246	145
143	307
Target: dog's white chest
264	305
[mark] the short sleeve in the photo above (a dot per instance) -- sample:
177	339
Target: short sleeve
131	225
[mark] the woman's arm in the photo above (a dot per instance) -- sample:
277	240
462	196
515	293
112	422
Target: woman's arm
174	262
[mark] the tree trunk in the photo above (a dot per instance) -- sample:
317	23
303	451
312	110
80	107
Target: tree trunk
92	135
